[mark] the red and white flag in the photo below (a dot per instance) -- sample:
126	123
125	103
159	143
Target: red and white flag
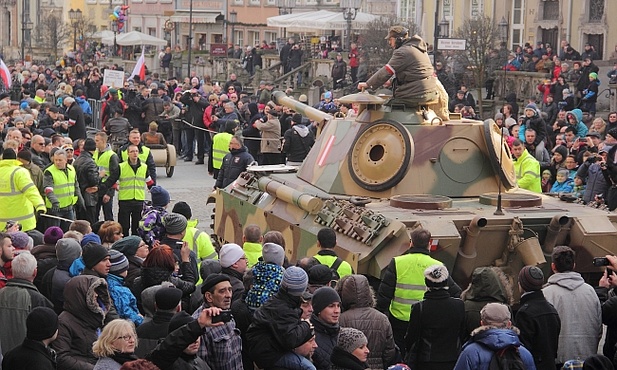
5	74
140	68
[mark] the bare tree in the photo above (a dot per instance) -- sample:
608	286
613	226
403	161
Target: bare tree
375	50
85	31
482	35
54	34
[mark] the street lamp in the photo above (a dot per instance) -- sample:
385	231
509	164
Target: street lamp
233	18
350	11
75	17
503	29
26	27
114	28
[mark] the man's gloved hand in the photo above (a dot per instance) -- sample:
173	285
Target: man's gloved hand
55	208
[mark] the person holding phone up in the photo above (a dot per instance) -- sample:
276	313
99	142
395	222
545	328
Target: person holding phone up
221	346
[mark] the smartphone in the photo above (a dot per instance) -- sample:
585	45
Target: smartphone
600	261
224	316
609	272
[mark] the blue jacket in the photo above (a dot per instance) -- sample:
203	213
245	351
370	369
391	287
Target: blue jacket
83	103
581	128
563	187
123	299
478	351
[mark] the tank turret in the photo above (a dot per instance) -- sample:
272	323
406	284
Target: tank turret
394	168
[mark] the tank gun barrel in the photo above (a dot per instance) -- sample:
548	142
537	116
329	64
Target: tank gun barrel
306	110
307	202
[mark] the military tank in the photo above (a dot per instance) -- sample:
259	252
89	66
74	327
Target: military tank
395	168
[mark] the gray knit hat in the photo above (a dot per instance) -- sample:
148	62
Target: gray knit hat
174	223
273	253
67	250
349	339
119	262
295	281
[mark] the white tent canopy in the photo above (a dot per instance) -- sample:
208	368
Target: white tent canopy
319	20
134	38
104	35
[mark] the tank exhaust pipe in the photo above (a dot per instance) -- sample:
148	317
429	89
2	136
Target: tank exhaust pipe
467	253
553	232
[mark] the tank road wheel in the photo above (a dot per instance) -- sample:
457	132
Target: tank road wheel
171	160
380	155
494	141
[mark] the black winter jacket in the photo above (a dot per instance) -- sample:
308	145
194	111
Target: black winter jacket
234	163
169	354
276	329
30	355
298	142
326	336
539	324
87	176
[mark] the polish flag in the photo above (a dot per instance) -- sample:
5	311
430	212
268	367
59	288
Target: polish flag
5	74
140	68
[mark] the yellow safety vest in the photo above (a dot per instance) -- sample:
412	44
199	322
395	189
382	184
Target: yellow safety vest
343	270
410	285
132	184
103	159
143	154
253	252
19	197
64	186
220	148
199	241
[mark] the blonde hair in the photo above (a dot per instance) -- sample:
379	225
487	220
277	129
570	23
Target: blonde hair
115	329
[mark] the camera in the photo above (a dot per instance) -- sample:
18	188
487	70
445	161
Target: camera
224	316
600	261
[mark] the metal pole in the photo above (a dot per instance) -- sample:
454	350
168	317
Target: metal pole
74	36
436	35
115	44
23	33
190	35
349	31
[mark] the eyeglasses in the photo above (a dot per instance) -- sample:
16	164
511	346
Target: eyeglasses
69	150
212	100
118	233
127	337
143	245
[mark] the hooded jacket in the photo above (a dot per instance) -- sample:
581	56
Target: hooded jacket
357	303
581	128
412	67
488	284
86	305
298	142
580	313
485	340
594	179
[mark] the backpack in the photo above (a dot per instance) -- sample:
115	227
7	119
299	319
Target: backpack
151	224
334	269
507	358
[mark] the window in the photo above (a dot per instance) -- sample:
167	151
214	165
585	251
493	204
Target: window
255	2
253	38
596	10
550	10
477	8
517	28
270	36
239	37
151	31
408	10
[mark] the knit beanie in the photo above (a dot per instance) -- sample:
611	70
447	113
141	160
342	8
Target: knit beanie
67	251
612	132
593	75
209	266
350	339
597	362
89	145
399	367
167	298
531	278
230	254
436	276
91	237
184	209
41	323
119	262
320	275
564	172
323	297
52	235
531	106
561	150
93	253
179	320
273	253
174	223
294	281
20	240
160	196
127	245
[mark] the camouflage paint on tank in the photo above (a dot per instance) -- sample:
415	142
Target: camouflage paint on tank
452	159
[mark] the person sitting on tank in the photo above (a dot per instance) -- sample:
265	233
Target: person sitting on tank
415	82
527	168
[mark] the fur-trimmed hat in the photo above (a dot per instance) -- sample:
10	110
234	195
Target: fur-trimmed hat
436	276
